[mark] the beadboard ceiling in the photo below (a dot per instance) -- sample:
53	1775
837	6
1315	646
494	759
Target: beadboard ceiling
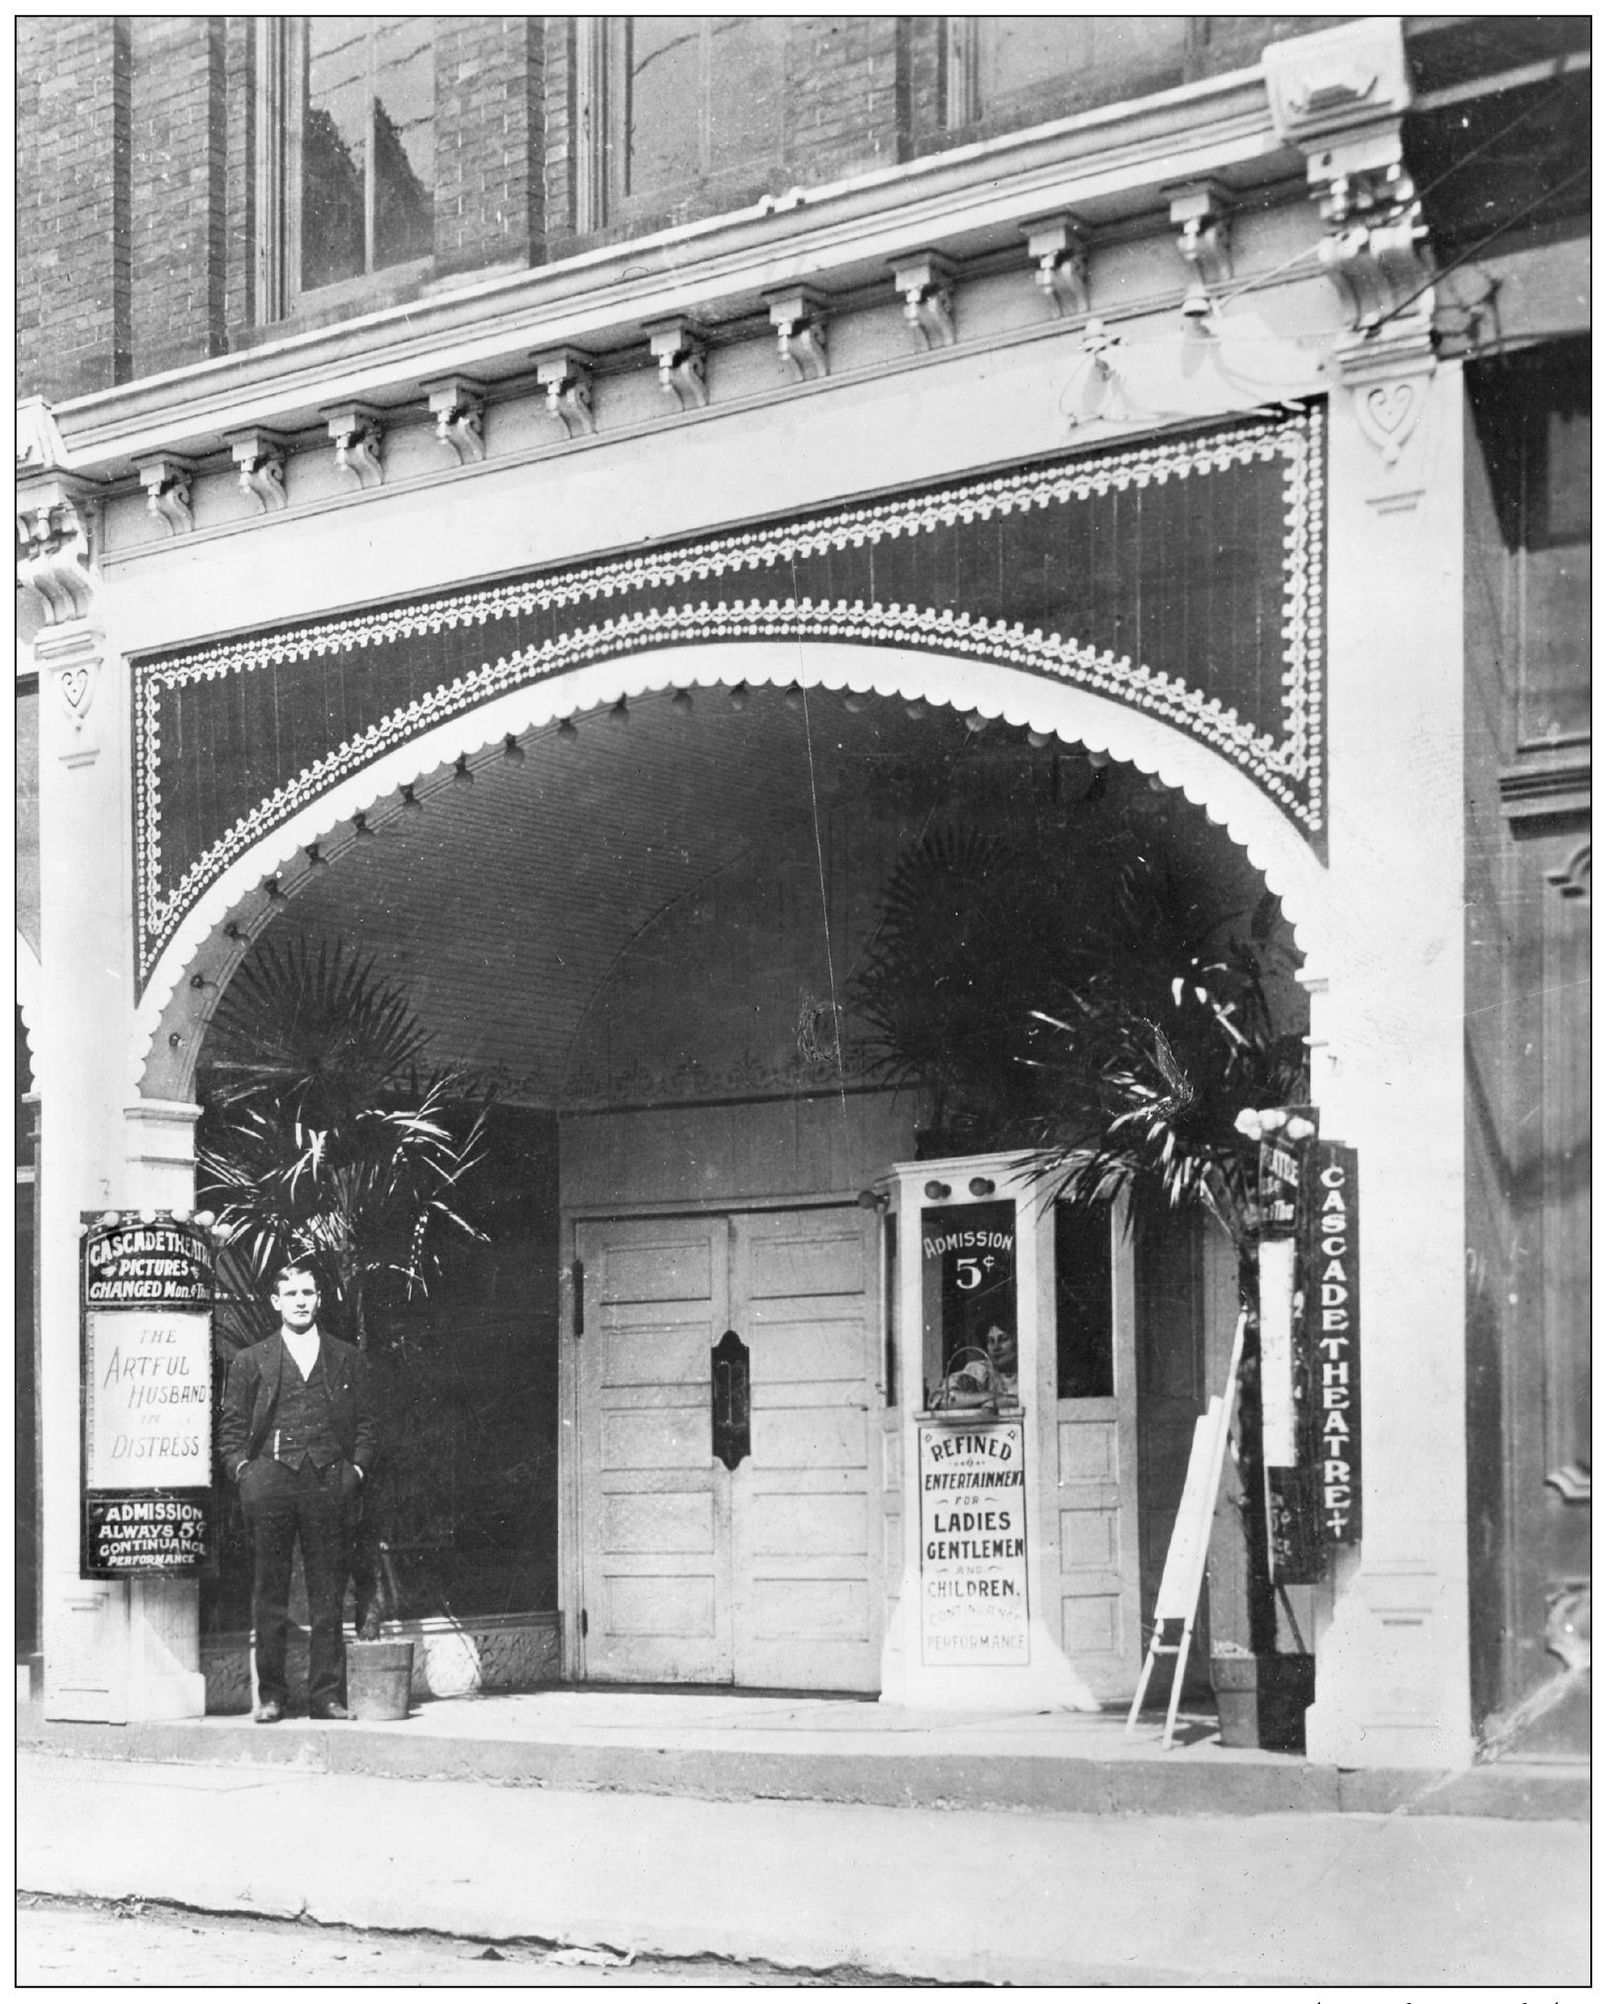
505	905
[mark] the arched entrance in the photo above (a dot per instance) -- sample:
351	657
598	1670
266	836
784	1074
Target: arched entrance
642	929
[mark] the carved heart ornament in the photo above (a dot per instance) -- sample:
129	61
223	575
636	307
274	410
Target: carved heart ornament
1388	413
1391	408
74	684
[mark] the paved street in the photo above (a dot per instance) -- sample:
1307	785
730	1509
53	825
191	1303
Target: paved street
135	1943
947	1895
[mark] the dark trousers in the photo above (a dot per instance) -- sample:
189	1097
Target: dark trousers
286	1507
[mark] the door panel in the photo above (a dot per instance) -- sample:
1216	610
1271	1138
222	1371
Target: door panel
653	1504
1096	1483
807	1611
767	1576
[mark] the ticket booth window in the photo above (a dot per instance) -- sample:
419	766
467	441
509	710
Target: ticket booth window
968	1297
1084	1363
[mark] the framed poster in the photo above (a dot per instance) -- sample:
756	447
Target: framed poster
146	1391
973	1545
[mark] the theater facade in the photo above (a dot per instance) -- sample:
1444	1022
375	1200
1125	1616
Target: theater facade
586	639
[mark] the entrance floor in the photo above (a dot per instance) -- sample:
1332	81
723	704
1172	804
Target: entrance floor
736	1746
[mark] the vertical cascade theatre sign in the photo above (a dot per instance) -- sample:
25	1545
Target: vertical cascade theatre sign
146	1361
1330	1325
973	1545
1308	1268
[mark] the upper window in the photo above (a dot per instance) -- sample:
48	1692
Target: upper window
364	127
677	110
1051	64
345	162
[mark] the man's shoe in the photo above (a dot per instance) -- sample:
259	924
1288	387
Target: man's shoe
269	1712
331	1711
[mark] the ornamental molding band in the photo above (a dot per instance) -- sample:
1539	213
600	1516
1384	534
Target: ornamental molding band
1183	579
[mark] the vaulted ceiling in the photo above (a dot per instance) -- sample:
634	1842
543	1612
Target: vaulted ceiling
515	906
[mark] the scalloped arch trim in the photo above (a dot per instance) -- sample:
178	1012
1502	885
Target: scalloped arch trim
1230	800
31	1005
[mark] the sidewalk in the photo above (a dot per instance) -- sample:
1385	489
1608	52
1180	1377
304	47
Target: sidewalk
951	1894
738	1747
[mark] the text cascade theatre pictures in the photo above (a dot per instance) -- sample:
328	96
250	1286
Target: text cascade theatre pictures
147	1390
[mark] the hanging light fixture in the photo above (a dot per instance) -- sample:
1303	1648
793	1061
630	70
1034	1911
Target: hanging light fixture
463	774
408	802
619	711
362	828
316	860
739	696
513	751
682	700
567	729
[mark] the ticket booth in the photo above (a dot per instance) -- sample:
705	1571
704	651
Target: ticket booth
1012	1479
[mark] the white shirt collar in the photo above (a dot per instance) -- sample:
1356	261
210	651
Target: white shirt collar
305	1348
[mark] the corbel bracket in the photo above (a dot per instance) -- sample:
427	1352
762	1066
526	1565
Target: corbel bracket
260	458
1376	248
1059	249
569	396
167	481
926	284
798	315
1198	210
56	516
1339	98
356	433
457	404
55	524
681	359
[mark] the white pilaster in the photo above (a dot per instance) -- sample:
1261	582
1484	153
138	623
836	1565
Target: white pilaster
113	1650
1393	1662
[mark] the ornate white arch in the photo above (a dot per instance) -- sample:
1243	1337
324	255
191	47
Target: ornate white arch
173	1006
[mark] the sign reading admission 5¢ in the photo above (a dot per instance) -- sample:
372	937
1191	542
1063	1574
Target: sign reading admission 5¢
146	1384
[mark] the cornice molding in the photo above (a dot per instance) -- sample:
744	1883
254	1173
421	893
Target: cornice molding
1105	166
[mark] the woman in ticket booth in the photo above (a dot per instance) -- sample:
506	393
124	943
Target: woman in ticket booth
990	1375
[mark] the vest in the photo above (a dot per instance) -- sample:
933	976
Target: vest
303	1435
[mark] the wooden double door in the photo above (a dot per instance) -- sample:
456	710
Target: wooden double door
728	1506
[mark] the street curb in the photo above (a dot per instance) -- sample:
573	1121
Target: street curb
1049	1783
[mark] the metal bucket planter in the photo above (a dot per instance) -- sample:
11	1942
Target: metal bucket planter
379	1676
1263	1700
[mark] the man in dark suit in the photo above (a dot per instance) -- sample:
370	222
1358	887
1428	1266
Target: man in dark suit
296	1435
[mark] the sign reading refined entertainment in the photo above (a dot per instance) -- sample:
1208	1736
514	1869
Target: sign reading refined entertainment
147	1387
1330	1321
973	1545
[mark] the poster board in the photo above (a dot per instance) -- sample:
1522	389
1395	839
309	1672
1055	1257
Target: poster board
146	1395
973	1544
1180	1585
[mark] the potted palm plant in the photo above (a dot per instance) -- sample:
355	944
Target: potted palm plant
324	1135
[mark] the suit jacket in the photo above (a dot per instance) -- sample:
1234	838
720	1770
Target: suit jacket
252	1394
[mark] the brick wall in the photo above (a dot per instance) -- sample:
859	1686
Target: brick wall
73	298
841	95
242	261
488	204
178	190
560	117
